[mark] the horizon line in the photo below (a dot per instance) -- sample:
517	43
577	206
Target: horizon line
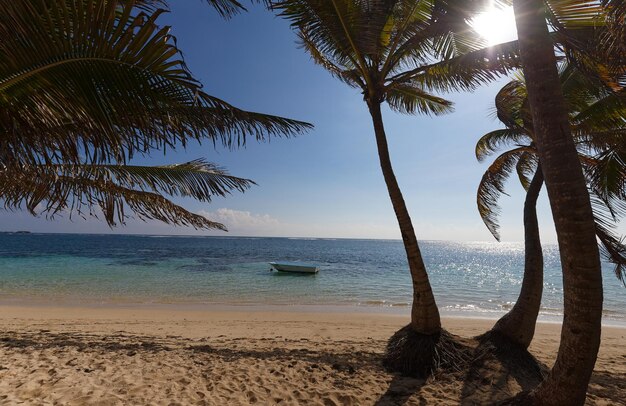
252	236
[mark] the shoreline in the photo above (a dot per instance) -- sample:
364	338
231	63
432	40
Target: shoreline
225	320
154	320
321	309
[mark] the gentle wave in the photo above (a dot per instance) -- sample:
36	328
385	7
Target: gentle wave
382	303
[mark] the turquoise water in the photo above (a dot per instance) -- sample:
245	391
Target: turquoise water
469	278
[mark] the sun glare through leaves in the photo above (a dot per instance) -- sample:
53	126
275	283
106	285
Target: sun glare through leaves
496	25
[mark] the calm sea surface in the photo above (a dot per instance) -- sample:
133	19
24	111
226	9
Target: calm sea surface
469	278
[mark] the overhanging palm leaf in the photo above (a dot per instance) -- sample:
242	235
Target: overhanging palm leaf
109	84
87	83
228	8
113	188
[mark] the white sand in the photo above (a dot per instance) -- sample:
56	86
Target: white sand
170	356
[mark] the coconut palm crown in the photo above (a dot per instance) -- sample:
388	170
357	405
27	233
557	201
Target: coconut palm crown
597	116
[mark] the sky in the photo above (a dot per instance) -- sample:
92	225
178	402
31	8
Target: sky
326	183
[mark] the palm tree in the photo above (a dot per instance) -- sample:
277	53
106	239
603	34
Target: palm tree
398	52
97	82
565	182
583	98
567	382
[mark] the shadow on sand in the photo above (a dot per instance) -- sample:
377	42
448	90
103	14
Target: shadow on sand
500	370
348	362
400	390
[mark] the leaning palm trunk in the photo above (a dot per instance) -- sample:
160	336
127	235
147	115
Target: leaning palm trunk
422	346
518	325
571	209
424	313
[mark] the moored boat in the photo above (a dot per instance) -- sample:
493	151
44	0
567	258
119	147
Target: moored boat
295	267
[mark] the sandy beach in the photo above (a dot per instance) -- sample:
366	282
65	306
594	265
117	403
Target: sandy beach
161	356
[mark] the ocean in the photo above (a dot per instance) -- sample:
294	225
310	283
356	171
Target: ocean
474	279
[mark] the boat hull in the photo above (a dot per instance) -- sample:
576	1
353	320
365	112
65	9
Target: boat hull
294	268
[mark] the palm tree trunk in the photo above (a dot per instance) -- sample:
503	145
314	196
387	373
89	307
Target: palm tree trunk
519	323
424	313
571	209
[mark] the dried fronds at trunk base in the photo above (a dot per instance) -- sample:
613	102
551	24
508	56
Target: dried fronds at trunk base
419	355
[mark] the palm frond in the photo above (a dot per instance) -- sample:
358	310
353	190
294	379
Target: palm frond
198	179
450	26
408	99
591	139
606	177
464	72
574	14
598	123
456	12
350	77
111	189
591	35
614	40
406	34
491	187
451	44
404	42
511	105
491	142
604	112
226	8
526	168
333	27
612	248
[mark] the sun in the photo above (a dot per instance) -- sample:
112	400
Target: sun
496	25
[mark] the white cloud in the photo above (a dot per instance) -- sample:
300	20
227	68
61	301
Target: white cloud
242	221
247	223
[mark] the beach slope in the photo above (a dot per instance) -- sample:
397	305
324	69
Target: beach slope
167	356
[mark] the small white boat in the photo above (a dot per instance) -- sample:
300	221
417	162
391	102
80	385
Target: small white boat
295	267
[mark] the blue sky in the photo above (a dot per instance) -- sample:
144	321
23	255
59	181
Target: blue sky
326	183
